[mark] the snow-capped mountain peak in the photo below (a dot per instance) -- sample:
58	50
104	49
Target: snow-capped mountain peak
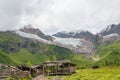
38	32
79	34
28	26
72	32
31	36
111	29
106	29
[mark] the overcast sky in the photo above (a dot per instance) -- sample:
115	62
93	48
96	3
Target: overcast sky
51	16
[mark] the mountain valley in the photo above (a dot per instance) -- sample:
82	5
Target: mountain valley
31	45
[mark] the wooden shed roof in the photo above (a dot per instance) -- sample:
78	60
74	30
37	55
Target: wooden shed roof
59	63
36	66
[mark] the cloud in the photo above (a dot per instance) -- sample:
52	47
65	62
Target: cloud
52	16
10	13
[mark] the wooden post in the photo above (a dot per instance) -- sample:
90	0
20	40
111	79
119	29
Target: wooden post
56	68
31	71
43	70
52	69
69	67
47	67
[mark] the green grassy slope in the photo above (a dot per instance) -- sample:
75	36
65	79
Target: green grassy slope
109	54
91	74
5	59
81	61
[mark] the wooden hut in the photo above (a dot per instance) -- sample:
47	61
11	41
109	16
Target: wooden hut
58	67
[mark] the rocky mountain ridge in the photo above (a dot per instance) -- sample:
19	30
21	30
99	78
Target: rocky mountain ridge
78	41
111	29
29	29
75	34
79	45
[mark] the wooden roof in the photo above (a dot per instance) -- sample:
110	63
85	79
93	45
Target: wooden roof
59	63
36	66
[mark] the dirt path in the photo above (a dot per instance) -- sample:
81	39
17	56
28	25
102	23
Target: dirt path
45	78
58	78
40	78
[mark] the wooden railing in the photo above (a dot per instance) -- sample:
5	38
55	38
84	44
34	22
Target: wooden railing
4	74
20	74
11	71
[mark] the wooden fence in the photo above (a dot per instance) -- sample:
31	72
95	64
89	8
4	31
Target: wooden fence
7	71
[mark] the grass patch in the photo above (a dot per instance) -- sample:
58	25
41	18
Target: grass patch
93	74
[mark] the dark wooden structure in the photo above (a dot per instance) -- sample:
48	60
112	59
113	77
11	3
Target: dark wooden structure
64	67
33	70
26	68
58	67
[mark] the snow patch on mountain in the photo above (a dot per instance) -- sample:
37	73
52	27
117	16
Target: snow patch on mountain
69	41
72	32
110	35
32	36
65	41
